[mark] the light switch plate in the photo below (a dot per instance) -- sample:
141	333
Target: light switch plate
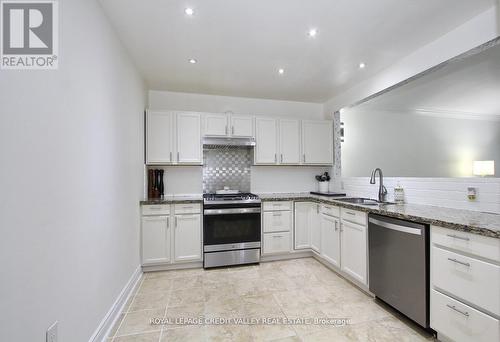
52	333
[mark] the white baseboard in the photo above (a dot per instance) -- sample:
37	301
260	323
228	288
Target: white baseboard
170	267
111	317
277	257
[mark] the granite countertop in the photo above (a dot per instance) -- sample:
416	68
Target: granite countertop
486	224
174	199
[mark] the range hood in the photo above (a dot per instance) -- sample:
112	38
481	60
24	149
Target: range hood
214	142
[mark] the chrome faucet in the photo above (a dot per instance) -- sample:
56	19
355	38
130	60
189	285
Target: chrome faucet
382	191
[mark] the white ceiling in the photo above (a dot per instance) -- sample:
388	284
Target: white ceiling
469	88
240	44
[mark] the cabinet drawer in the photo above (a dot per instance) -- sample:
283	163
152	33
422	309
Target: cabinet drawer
354	216
190	208
156	209
277	221
483	246
467	278
330	210
280	205
460	322
276	243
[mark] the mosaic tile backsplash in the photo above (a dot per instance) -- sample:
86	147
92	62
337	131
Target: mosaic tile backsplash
226	166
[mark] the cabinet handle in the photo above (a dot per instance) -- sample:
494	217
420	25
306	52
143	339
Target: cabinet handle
177	156
175	221
282	158
170	156
341	227
350	213
275	158
168	222
304	157
155	208
336	226
458	237
226	130
317	208
453	307
277	236
232	130
276	214
459	262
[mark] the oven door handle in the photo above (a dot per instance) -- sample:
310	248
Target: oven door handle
231	211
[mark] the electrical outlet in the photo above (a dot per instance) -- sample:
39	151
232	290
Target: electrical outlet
52	333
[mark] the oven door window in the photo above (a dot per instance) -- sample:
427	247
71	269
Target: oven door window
231	228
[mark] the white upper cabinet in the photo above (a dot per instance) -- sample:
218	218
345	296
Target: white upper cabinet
317	142
241	126
228	125
289	142
173	138
266	149
189	150
216	125
159	143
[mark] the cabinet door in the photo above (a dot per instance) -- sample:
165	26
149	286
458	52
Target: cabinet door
187	238
242	126
330	239
315	226
317	142
289	142
216	125
159	137
353	251
189	138
302	229
155	240
266	141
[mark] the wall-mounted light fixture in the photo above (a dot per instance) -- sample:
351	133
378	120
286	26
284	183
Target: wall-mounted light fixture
483	168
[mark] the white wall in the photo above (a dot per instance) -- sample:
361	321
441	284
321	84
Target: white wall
167	100
71	151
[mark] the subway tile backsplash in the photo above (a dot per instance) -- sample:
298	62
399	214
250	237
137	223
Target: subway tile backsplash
227	166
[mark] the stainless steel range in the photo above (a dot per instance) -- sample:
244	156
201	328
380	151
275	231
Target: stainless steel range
231	229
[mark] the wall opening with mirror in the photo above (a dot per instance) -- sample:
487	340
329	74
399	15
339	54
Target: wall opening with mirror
436	125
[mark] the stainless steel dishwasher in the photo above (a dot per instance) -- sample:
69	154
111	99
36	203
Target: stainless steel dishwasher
399	265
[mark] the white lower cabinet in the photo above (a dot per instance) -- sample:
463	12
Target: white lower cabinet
330	239
465	282
354	250
302	228
187	238
275	243
315	224
155	240
460	322
167	239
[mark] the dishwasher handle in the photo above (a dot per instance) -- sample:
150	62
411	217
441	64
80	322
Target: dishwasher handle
403	229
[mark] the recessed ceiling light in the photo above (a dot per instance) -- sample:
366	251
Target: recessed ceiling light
362	65
281	71
312	33
189	11
193	61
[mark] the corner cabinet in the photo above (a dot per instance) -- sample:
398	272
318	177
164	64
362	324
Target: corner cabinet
173	138
317	142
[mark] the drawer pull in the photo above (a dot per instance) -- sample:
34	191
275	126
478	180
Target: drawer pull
453	307
277	236
348	212
460	262
458	237
155	208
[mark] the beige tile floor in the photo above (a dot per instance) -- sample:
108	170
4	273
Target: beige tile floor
292	289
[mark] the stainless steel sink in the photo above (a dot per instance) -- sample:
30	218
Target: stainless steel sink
362	201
